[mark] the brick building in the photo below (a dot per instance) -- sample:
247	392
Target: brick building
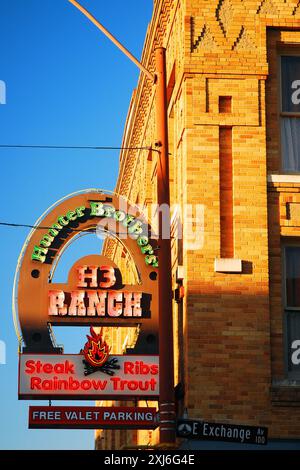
233	70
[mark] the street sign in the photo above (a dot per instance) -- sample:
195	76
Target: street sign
89	417
202	430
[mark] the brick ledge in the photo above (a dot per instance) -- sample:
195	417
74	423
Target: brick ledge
284	178
228	265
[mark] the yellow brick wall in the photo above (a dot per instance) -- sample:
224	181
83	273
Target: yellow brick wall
228	332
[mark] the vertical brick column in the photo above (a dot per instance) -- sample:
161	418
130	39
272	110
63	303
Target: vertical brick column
226	193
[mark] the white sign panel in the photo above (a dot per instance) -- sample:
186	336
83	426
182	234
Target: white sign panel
46	376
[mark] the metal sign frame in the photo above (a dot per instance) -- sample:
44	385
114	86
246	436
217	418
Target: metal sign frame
83	212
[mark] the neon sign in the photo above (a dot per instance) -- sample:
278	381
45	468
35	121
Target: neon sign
93	293
64	376
92	303
135	227
96	350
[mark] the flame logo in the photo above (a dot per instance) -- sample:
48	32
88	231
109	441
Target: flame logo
96	351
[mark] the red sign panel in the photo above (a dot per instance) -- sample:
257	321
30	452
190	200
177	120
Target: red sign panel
89	417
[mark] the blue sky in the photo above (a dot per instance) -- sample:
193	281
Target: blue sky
66	85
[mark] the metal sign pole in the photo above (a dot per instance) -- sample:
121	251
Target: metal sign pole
166	377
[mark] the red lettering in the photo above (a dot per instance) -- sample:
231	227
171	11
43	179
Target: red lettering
69	368
128	368
143	385
47	385
99	385
86	384
140	368
66	368
115	381
58	369
133	385
144	368
152	384
35	383
74	384
109	278
48	368
123	383
30	367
